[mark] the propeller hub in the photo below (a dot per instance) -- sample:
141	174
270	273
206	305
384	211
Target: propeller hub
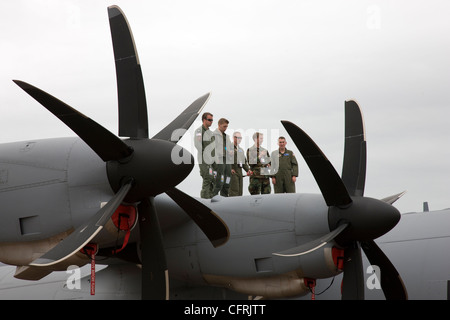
368	218
155	165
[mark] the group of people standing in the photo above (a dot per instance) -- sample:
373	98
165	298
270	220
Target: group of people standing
222	162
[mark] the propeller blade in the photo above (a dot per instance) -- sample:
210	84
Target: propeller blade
395	197
175	130
312	245
330	184
353	281
155	276
391	282
84	233
208	221
133	119
103	142
354	166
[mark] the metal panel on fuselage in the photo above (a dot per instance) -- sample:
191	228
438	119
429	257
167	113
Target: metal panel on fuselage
259	226
42	182
33	189
88	183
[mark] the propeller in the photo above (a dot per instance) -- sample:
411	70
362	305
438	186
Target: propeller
138	168
354	220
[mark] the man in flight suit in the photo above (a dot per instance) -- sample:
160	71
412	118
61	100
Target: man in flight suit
285	177
239	163
204	143
259	161
224	158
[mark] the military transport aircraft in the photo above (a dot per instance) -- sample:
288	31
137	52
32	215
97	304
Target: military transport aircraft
99	198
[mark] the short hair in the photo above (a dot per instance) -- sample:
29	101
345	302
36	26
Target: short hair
281	137
222	121
256	135
206	114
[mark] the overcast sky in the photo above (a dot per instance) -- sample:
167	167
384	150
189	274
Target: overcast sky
263	61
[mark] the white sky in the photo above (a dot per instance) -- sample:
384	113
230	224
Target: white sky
263	61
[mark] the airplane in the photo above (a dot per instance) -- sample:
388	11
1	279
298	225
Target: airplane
97	198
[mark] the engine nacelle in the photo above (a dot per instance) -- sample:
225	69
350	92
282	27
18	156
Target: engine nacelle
323	263
272	287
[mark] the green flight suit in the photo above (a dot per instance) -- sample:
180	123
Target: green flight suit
237	179
204	143
224	159
287	168
258	159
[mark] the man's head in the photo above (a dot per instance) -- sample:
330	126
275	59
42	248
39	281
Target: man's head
237	138
258	138
222	125
282	142
207	119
